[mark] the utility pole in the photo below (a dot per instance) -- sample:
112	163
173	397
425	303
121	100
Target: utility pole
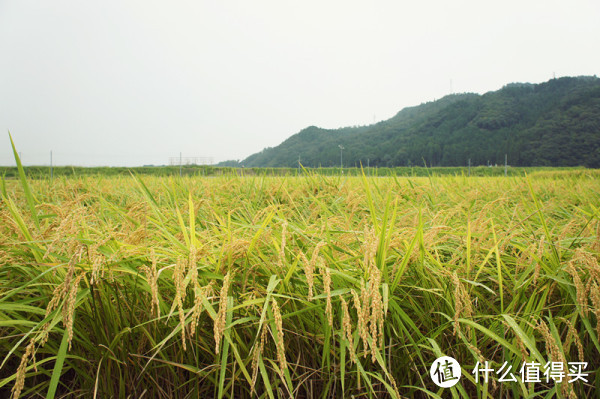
180	164
469	166
341	158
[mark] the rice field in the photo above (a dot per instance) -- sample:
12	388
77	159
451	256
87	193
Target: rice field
306	287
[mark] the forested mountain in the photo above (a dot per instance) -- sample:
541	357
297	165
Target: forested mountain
556	123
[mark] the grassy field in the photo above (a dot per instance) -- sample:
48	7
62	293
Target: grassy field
311	286
45	172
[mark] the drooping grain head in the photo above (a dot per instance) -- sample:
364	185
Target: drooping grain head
370	244
200	293
21	371
327	290
579	287
458	306
258	351
180	294
237	249
595	296
280	342
97	260
193	267
375	301
69	308
347	324
362	323
309	267
152	278
556	355
588	262
219	324
574	335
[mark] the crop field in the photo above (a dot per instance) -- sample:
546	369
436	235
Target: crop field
303	286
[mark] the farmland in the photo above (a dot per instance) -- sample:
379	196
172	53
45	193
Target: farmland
296	286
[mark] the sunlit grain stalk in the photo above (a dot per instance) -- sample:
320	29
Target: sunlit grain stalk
97	261
309	274
69	308
200	293
348	329
579	287
22	370
258	351
479	354
10	227
180	294
327	290
556	355
595	296
67	293
574	335
219	324
376	304
538	266
152	278
457	302
280	342
463	307
371	242
589	263
309	267
362	323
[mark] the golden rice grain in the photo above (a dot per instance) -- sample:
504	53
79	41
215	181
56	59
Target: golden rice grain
579	287
327	290
152	278
347	324
362	323
595	296
258	351
280	343
220	320
180	294
573	334
22	370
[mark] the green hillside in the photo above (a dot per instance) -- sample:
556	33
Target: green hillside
556	123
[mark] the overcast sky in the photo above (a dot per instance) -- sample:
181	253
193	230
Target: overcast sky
137	82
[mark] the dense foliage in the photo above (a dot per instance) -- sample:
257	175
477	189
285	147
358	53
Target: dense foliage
556	123
311	286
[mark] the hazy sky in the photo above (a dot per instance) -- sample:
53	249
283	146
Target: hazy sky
136	82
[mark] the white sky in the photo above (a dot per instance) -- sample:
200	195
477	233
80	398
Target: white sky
136	82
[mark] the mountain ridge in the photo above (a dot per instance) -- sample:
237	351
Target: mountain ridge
555	123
